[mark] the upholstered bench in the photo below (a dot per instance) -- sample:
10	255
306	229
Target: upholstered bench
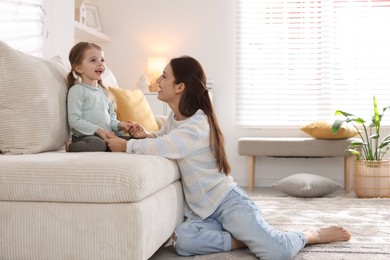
294	147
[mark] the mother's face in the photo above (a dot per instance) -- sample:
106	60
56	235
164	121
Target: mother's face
168	90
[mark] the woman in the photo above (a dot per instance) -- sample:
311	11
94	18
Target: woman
220	216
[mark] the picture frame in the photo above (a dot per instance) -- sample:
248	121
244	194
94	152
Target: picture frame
92	18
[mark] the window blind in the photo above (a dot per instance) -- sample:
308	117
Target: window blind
300	61
22	25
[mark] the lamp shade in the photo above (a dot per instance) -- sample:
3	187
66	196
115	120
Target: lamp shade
155	66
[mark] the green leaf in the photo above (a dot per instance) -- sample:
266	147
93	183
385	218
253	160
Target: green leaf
384	143
384	109
377	120
353	151
359	120
374	136
342	113
336	125
357	142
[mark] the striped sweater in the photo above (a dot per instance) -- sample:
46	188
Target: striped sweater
188	142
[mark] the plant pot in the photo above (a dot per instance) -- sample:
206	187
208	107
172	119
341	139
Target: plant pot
371	179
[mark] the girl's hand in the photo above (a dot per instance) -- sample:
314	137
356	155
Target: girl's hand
116	144
104	134
124	126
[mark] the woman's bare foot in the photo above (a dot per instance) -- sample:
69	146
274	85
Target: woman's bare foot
326	235
237	244
67	143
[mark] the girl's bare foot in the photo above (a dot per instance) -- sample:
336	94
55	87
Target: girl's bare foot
67	143
326	235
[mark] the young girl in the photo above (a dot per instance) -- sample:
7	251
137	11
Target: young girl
220	216
91	108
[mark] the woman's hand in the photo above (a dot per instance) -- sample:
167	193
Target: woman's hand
116	144
137	131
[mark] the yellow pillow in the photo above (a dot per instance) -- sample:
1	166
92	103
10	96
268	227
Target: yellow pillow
132	105
322	130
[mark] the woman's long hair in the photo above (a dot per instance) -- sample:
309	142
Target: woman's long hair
189	71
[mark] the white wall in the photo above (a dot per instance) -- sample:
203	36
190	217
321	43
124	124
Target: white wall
204	29
58	33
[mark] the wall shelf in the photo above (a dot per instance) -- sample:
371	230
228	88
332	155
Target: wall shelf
85	33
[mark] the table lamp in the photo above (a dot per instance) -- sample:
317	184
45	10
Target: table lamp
154	67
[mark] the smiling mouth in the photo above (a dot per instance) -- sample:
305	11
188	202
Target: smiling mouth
99	71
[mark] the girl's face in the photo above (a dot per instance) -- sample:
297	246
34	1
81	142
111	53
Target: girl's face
92	66
169	91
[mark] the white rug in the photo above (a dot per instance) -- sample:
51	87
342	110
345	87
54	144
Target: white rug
368	221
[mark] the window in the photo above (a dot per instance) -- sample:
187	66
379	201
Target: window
22	25
300	61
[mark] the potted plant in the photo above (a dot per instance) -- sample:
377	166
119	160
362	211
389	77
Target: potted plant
371	171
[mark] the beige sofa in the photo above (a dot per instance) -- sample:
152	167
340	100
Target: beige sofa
58	205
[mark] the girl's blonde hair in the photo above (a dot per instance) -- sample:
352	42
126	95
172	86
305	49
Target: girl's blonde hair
76	56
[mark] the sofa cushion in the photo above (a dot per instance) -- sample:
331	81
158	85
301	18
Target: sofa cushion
132	105
92	177
32	103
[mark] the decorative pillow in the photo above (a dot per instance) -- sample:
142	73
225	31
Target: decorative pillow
32	102
132	105
322	130
306	185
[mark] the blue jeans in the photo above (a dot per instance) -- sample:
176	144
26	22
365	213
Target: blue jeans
240	217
